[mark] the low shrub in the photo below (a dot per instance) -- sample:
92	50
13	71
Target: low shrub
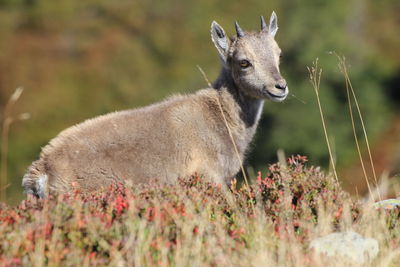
194	222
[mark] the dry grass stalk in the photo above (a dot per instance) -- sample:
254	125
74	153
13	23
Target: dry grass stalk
7	121
349	88
315	79
229	132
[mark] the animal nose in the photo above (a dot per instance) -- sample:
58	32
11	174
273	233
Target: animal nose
281	85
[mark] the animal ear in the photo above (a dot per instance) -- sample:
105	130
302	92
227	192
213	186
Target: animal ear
273	24
220	40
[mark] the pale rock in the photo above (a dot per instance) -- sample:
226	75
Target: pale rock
349	246
388	204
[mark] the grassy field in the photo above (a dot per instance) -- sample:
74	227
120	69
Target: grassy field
196	223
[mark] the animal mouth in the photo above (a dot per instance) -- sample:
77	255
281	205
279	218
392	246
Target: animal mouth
278	97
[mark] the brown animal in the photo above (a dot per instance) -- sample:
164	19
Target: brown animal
174	138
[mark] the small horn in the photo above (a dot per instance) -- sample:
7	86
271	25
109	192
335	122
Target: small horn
239	31
263	24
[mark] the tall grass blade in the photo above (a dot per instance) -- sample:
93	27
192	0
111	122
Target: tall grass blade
230	135
349	88
315	79
7	121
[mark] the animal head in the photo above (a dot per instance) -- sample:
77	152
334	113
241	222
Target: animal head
252	59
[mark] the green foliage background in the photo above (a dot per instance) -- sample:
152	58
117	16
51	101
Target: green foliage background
78	59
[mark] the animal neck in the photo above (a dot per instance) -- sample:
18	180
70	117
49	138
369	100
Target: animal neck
251	108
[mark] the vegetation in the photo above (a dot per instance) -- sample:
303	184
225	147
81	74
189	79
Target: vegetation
195	222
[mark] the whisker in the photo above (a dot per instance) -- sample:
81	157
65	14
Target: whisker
302	101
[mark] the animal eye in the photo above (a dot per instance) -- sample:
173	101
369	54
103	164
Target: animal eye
244	63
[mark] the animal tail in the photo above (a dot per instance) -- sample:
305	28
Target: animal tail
35	181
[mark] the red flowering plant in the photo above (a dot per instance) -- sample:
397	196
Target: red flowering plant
292	193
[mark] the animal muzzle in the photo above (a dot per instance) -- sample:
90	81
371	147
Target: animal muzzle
279	92
281	84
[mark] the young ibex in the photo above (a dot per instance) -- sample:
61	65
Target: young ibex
177	137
